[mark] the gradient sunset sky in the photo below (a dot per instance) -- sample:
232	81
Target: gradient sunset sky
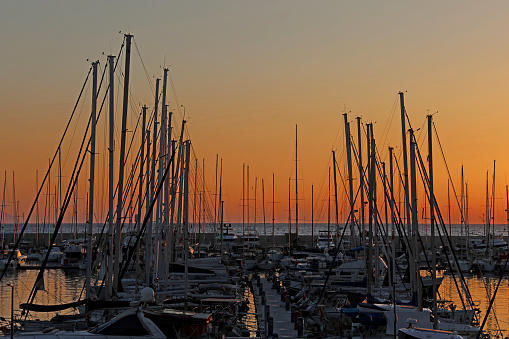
249	71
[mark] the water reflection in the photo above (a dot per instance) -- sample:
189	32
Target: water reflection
481	289
61	286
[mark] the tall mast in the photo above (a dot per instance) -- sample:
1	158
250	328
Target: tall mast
59	188
361	181
148	232
449	203
111	147
149	245
371	168
221	203
166	144
215	203
3	209
90	225
142	163
432	221
335	188
392	275
413	179
466	216
462	202
312	217
243	195
263	211
487	217
247	198
289	214
169	233
162	199
506	208
328	215
273	228
185	216
255	187
350	177
296	191
37	208
493	201
120	193
405	161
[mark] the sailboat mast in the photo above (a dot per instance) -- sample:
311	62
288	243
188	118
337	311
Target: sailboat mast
148	232
3	210
273	219
120	191
37	208
215	202
220	203
506	208
392	275
361	181
90	224
432	221
160	265
328	215
335	190
185	216
289	214
405	162
296	191
140	188
263	212
166	144
487	217
149	243
462	202
243	195
312	218
247	198
493	200
109	266
413	179
350	178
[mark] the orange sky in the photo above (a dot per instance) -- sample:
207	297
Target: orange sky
248	72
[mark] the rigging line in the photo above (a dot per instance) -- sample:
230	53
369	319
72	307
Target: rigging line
487	288
148	211
389	124
143	64
448	172
174	91
425	178
74	177
63	209
75	127
492	299
338	246
380	173
45	177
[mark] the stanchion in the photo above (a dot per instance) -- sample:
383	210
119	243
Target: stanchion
271	326
300	326
296	316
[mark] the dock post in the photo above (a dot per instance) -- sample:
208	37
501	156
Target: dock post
300	326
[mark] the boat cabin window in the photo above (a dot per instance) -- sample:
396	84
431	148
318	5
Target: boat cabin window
129	325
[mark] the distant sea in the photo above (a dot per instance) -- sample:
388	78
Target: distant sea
261	229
